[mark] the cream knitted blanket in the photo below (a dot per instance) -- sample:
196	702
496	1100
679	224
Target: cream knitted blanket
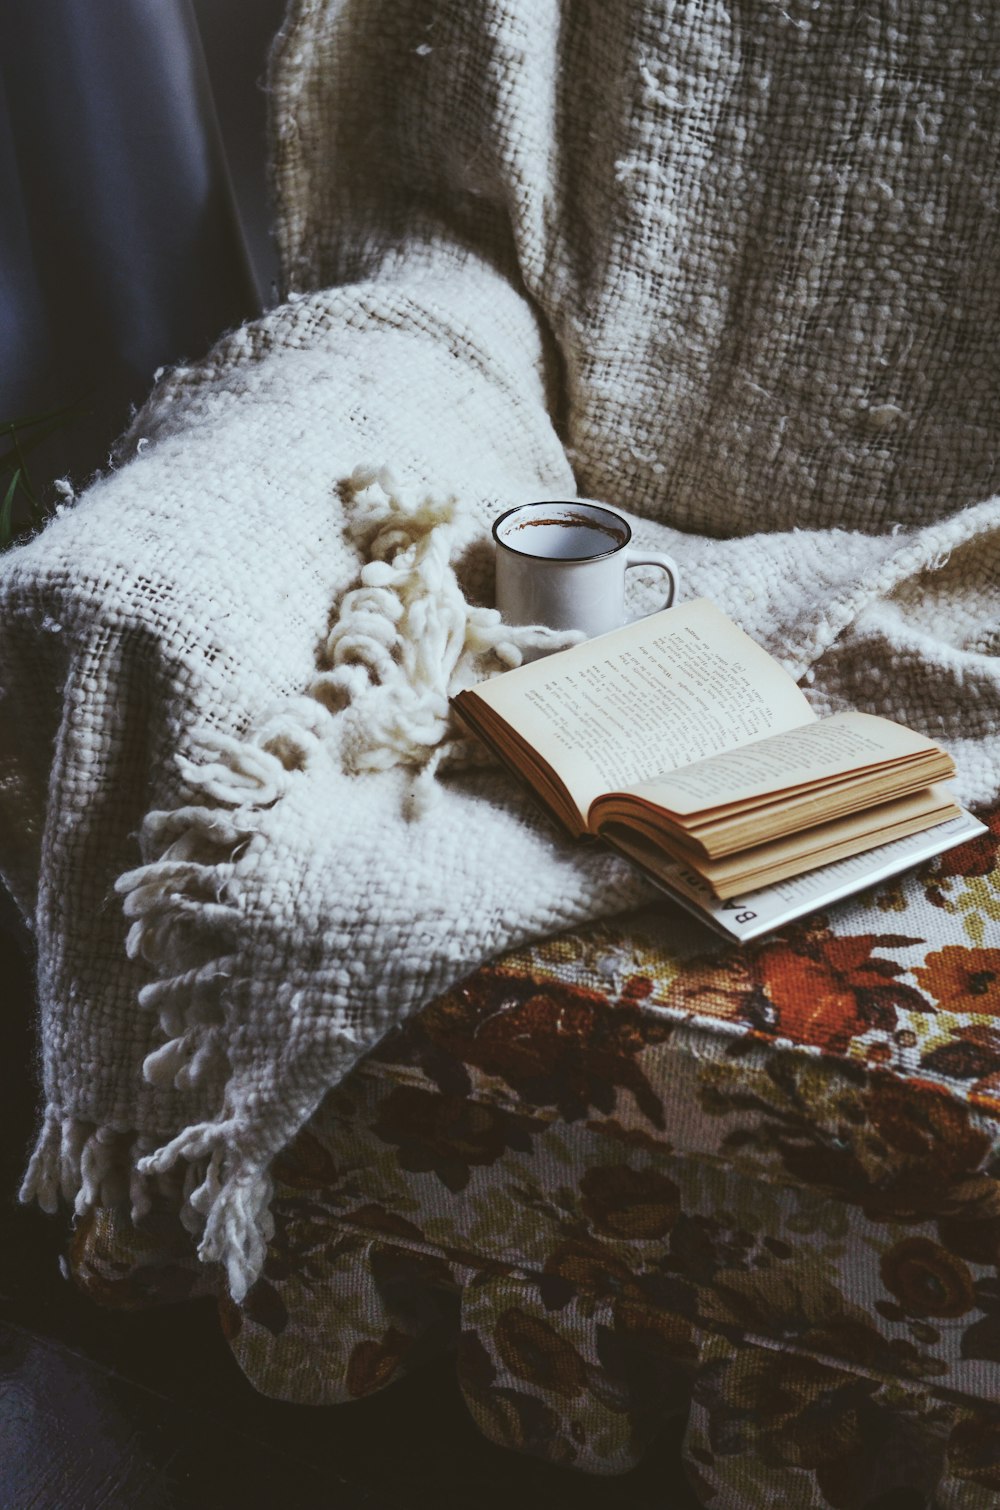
732	270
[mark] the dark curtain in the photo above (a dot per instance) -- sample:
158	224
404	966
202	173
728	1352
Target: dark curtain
121	245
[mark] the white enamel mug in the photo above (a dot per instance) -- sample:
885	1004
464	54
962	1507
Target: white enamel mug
563	564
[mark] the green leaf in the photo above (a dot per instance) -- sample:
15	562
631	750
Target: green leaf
7	510
26	422
23	447
13	459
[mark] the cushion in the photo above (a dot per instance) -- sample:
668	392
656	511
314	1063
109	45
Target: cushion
631	1170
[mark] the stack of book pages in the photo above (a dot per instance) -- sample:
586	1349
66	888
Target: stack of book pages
678	740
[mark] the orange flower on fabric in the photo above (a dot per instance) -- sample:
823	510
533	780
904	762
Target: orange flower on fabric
554	1044
533	1350
977	858
585	1264
447	1134
717	987
827	990
372	1364
974	1450
962	979
926	1279
622	1202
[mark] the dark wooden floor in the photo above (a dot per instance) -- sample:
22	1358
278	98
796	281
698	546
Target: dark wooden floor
101	1410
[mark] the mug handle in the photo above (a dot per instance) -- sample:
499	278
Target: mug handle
640	558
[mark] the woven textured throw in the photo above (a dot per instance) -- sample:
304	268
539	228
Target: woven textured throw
732	271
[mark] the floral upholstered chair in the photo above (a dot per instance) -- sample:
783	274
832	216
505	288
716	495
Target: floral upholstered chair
733	268
631	1171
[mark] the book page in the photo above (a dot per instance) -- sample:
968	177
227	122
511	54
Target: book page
819	751
840	832
778	859
758	912
663	692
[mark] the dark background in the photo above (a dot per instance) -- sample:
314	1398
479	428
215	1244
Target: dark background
111	1410
133	231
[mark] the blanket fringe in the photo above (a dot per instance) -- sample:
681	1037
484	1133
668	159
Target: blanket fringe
220	1197
87	1166
405	640
227	1199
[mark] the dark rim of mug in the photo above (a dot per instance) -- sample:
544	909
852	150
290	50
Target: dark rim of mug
563	503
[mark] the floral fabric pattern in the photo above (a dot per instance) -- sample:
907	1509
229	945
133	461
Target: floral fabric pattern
633	1171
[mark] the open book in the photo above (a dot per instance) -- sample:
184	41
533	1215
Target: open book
682	742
